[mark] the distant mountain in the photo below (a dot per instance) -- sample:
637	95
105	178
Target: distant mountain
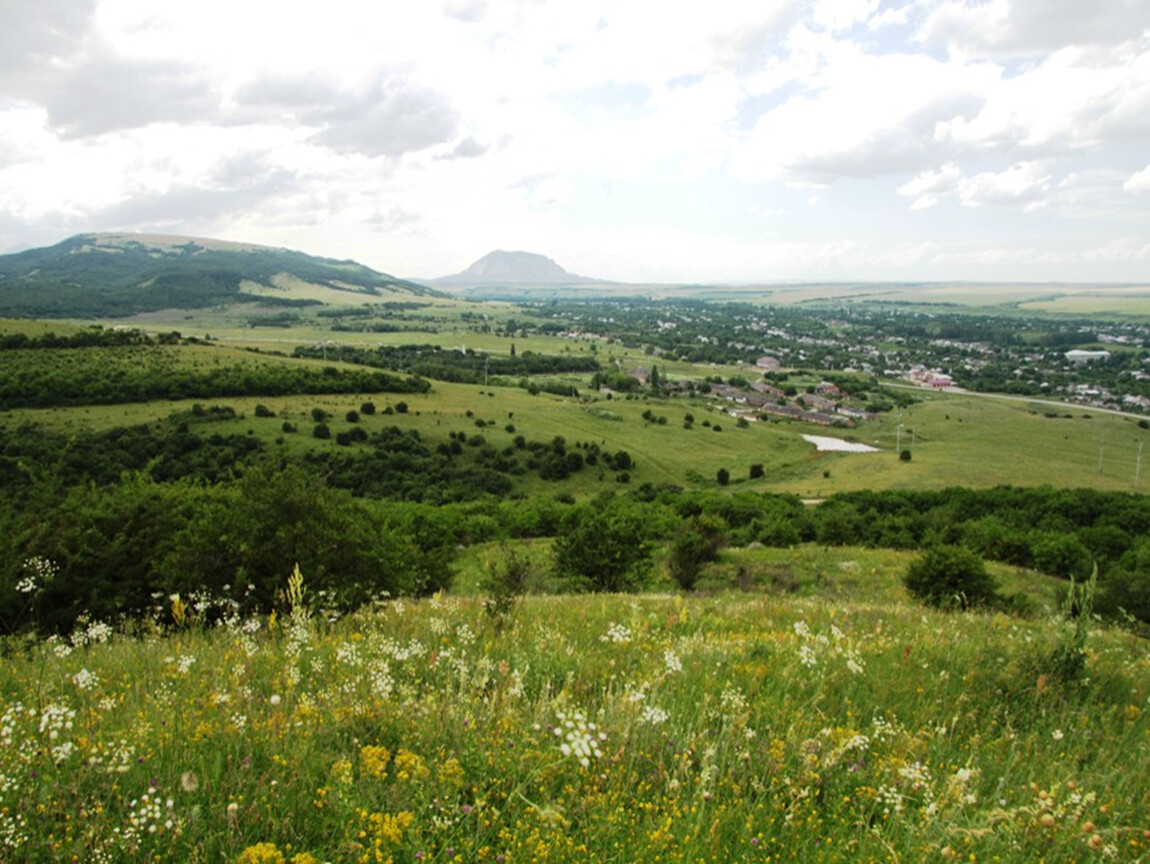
114	275
513	268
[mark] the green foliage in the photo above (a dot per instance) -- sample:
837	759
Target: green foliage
1061	555
504	583
119	547
143	373
950	577
449	364
1068	661
696	543
603	547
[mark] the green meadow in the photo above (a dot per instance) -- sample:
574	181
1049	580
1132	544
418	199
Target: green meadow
826	723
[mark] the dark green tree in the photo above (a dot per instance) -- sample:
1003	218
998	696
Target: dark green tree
603	547
950	577
696	543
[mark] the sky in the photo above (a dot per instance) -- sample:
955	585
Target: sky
629	140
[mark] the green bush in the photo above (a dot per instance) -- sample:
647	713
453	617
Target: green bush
604	547
950	577
697	543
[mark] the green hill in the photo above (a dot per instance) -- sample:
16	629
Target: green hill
113	275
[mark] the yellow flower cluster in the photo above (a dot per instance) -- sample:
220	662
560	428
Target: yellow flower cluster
261	853
269	853
375	761
410	766
450	774
383	832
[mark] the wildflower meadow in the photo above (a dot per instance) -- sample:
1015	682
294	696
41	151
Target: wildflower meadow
623	728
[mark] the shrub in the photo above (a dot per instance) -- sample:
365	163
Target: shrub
603	548
697	543
950	577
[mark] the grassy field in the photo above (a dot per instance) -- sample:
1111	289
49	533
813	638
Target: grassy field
835	723
955	440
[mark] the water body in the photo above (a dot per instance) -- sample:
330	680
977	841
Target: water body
822	442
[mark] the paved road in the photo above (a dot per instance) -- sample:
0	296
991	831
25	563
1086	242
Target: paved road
1033	400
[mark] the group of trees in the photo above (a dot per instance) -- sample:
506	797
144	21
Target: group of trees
447	364
120	545
120	551
92	376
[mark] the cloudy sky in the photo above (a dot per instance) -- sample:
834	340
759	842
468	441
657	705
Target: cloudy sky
634	140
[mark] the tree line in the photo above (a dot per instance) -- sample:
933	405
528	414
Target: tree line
97	376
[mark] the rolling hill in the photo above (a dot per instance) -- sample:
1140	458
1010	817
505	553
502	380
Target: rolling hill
112	275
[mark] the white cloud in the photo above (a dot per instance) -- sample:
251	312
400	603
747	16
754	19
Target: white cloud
1025	184
650	138
1031	26
838	15
927	187
1138	182
863	115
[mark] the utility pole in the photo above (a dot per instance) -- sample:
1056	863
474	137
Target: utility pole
1138	465
1101	447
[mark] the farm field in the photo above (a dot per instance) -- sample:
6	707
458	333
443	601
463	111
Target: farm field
752	727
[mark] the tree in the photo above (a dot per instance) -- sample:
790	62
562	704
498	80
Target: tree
696	543
604	547
950	577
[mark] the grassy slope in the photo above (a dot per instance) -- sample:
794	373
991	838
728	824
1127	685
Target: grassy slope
738	727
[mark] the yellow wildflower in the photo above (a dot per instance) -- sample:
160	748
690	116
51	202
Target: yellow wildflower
375	760
261	853
409	766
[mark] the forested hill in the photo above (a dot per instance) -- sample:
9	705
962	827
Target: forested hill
112	275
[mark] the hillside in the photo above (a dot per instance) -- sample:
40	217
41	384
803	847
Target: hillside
112	275
513	268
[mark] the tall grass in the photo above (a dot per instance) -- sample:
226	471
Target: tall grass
607	728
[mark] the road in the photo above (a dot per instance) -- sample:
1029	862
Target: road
1032	400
